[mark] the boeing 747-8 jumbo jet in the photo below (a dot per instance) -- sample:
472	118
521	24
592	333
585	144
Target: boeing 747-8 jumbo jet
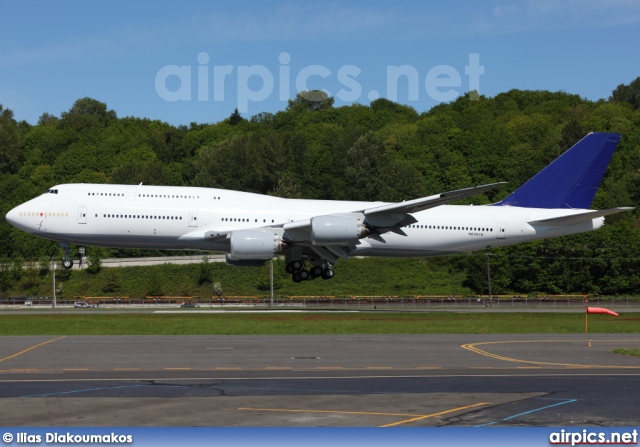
314	234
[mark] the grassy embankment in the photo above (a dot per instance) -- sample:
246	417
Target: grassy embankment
633	352
369	276
312	323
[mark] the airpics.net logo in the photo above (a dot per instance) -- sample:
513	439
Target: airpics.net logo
256	83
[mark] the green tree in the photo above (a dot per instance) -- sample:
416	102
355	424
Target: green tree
375	175
48	119
387	112
264	278
30	279
87	114
112	281
10	142
628	93
6	275
150	173
205	271
157	285
310	100
95	255
235	118
572	132
43	177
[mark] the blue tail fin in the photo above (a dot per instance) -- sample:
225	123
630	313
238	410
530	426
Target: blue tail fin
571	180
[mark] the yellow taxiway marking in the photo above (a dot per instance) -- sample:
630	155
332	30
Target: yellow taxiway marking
329	367
413	417
379	367
31	348
434	414
365	413
473	348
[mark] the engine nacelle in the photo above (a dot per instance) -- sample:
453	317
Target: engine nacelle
336	230
254	245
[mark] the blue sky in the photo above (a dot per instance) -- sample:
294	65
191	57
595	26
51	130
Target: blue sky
196	61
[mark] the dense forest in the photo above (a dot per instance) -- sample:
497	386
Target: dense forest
384	151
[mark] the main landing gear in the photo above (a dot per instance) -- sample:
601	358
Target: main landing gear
67	262
299	273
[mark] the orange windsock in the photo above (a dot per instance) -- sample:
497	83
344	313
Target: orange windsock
600	310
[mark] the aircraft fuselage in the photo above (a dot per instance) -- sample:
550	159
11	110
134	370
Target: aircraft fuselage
166	217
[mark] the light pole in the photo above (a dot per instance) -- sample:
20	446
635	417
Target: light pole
489	277
271	280
53	271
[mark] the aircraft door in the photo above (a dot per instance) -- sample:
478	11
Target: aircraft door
193	218
502	230
131	193
82	215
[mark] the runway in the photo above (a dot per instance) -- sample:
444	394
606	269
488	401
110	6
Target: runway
382	381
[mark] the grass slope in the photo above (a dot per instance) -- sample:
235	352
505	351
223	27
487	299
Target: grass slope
368	276
312	323
633	352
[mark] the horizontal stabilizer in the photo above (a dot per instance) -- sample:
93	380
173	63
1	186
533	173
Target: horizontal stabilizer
577	218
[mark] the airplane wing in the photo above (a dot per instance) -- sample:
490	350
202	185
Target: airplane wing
398	211
577	218
415	205
375	221
379	215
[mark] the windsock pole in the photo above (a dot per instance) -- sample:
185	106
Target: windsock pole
586	322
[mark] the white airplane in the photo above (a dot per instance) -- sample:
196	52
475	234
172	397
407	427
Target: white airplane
314	234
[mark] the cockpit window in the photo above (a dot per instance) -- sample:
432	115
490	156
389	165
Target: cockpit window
51	191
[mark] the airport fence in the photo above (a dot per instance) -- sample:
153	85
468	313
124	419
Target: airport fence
335	302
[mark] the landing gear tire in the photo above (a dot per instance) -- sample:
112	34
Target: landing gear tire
316	272
328	274
293	266
296	277
67	263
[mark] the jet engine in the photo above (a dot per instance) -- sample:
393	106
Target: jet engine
254	245
336	230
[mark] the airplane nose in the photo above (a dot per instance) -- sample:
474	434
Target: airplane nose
12	216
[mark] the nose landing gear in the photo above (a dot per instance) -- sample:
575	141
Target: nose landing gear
67	262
